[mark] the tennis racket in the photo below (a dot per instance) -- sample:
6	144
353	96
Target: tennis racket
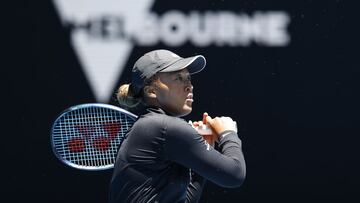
87	136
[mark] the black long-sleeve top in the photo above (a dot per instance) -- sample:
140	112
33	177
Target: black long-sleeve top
163	159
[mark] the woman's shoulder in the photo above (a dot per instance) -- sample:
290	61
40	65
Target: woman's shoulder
178	125
161	119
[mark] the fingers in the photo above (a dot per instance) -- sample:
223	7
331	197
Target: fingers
200	123
196	123
219	124
208	120
204	117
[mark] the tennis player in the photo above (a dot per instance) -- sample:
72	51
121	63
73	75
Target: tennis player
164	158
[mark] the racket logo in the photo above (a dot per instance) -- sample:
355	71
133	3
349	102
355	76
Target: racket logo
88	136
76	145
101	143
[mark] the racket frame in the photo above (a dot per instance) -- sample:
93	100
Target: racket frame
78	107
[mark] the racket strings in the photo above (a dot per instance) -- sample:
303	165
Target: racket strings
90	137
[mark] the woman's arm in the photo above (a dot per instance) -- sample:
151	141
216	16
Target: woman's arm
185	146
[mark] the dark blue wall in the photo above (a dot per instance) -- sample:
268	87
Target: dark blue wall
297	106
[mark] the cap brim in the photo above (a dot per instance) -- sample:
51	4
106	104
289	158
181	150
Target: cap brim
194	64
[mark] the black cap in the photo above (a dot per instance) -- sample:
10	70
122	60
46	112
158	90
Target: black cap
162	61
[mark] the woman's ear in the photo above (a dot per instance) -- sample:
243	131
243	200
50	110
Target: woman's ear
149	91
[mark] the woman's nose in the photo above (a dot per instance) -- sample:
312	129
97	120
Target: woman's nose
189	88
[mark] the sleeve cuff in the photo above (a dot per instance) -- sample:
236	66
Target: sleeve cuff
226	133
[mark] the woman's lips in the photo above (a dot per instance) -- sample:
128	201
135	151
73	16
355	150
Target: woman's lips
190	97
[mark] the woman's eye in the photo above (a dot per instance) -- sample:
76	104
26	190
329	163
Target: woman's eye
189	78
183	78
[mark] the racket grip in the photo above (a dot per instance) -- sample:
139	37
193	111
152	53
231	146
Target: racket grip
204	130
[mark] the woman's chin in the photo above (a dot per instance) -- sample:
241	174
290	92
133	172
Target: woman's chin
186	110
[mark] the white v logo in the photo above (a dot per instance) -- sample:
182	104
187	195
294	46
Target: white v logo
100	34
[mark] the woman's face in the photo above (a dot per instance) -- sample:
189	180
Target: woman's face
174	92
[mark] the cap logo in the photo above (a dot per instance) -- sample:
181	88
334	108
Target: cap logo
174	55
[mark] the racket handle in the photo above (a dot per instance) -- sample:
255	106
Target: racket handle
204	130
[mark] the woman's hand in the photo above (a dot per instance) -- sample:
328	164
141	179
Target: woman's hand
221	124
212	128
205	130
